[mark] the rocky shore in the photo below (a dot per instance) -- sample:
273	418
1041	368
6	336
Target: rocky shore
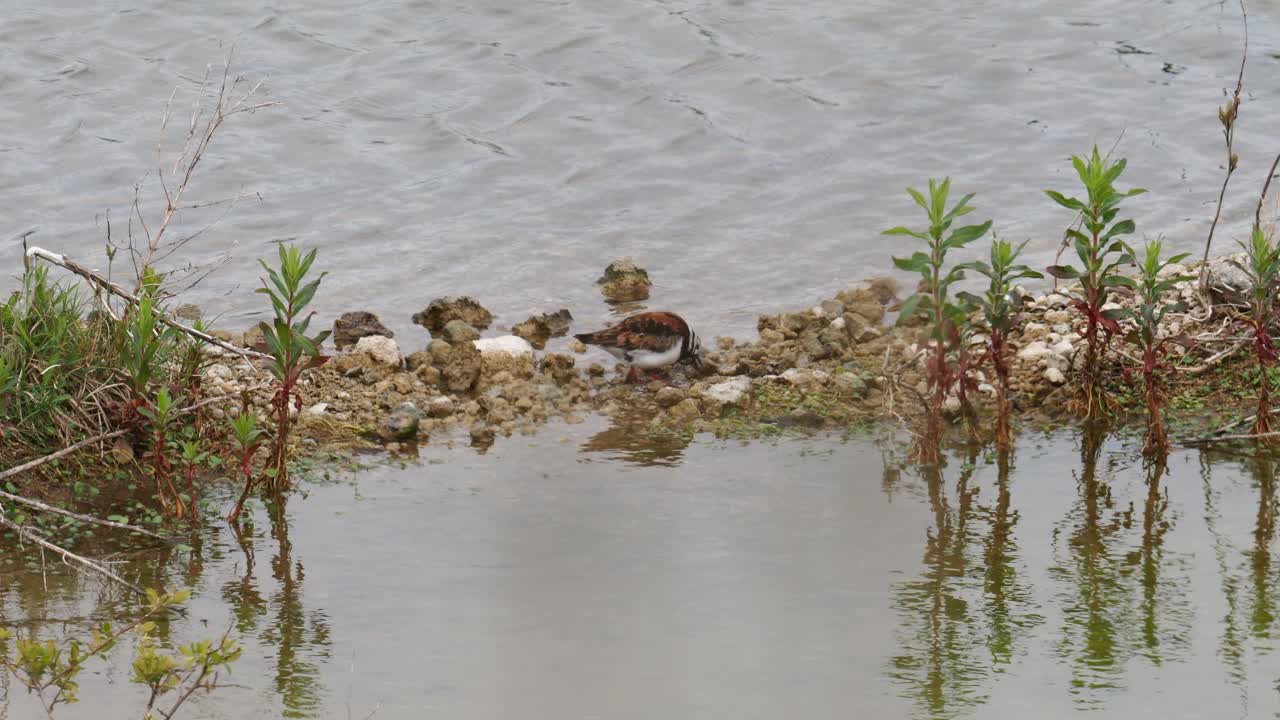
836	363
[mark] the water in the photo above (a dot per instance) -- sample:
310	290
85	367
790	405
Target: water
568	577
747	152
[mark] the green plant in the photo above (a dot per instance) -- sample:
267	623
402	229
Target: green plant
1098	271
943	317
160	414
49	670
1262	266
998	304
1150	312
248	438
293	352
141	339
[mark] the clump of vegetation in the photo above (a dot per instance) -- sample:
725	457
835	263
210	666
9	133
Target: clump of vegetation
1262	266
1101	252
933	302
998	305
50	670
293	352
1151	309
248	438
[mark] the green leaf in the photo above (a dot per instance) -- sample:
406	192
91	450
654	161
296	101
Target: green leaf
919	262
1064	201
1124	227
904	231
1063	272
966	235
909	308
1118	281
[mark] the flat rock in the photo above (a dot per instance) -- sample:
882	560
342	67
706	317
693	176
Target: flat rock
733	391
459	331
383	350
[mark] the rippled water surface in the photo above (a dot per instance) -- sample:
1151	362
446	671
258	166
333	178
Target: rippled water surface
748	153
573	576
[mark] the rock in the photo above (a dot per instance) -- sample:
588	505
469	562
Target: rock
1034	331
462	368
870	311
734	391
402	424
835	338
559	366
121	451
540	328
506	353
223	335
578	346
351	326
317	409
1034	351
440	407
254	339
383	350
951	404
189	312
459	331
1056	300
1055	376
482	436
429	375
685	411
1057	317
804	378
218	371
832	308
1174	270
851	384
439	351
442	310
625	281
669	396
419	359
885	289
769	336
858	328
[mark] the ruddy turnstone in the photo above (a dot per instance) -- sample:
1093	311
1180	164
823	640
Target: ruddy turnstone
648	341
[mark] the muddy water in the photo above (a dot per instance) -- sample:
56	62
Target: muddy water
576	576
748	153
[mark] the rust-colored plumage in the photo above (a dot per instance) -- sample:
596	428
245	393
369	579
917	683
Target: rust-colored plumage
648	341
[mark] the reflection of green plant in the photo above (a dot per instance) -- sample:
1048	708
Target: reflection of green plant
944	317
997	305
50	670
292	350
1097	272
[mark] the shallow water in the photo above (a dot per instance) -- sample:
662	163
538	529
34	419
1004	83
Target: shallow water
565	576
748	153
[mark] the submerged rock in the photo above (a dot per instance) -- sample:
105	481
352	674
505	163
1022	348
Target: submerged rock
559	366
351	326
189	312
625	281
540	328
442	310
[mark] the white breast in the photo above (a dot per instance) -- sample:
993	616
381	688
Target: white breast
646	359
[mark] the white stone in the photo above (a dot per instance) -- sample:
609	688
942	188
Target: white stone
218	371
1056	300
1031	331
317	409
1171	270
730	392
804	377
951	404
1055	376
505	344
383	350
838	323
1034	351
986	389
1111	306
1057	317
817	311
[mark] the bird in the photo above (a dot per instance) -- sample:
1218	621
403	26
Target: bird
648	341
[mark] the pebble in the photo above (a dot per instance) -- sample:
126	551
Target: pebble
1055	376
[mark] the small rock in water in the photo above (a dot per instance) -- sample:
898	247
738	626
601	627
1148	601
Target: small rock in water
440	407
559	366
442	310
482	437
508	344
351	326
383	350
459	331
402	424
540	328
686	410
625	281
462	369
578	346
254	339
